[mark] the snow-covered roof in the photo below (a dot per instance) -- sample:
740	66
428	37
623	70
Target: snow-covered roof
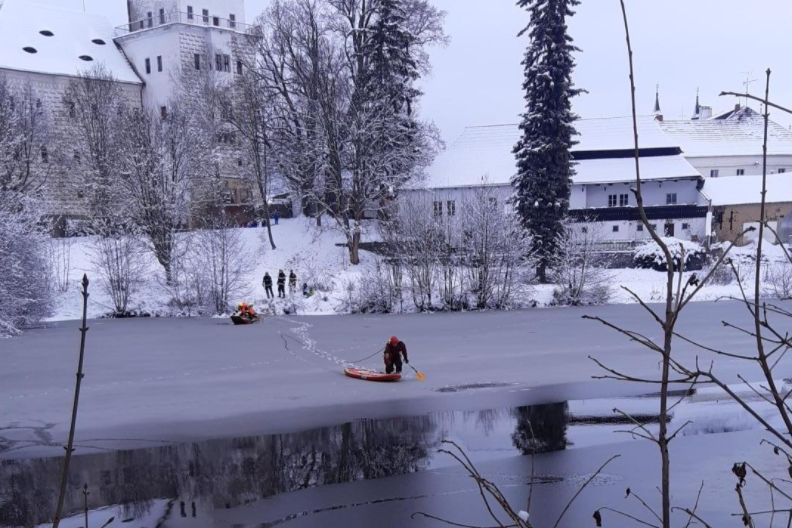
46	39
736	190
487	151
621	169
728	137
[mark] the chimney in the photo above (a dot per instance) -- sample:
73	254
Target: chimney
706	112
737	107
659	117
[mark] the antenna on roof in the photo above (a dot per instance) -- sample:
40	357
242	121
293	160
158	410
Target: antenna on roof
748	82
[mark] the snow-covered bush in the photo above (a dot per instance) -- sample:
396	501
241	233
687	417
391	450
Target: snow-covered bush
25	282
779	281
379	289
119	259
650	256
722	275
220	261
581	272
495	247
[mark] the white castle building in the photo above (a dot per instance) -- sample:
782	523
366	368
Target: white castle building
46	46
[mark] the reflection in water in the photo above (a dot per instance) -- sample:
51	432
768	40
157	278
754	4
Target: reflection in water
220	473
203	477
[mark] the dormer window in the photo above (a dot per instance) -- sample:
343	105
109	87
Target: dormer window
99	42
232	21
30	49
86	58
47	33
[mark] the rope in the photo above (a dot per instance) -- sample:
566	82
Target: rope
380	351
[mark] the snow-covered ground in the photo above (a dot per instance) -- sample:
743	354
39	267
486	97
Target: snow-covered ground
318	260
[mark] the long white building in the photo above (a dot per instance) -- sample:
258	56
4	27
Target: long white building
604	174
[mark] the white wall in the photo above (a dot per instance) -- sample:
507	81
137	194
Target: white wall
654	193
728	165
628	231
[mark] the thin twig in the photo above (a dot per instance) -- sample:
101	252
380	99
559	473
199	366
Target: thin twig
569	504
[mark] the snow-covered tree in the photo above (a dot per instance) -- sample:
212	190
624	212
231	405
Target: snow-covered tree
343	75
25	286
95	113
544	162
164	176
29	147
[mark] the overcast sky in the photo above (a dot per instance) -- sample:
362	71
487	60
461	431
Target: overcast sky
681	45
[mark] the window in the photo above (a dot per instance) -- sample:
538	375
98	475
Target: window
781	171
451	207
162	16
197	59
223	62
493	202
714	173
671	199
232	21
612	200
38	103
239	67
624	199
148	66
142	24
216	21
77	157
654	226
190	15
159	63
640	228
44	154
685	226
584	230
438	209
164	112
239	162
206	16
615	229
72	109
740	172
150	17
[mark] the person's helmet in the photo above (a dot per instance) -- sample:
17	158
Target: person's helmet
394	340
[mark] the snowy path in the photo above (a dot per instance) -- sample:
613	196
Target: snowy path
156	380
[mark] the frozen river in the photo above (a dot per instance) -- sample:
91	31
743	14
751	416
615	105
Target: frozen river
257	425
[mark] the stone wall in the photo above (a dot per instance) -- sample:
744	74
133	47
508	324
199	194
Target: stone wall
729	221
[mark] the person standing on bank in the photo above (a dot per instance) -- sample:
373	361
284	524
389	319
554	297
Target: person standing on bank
268	285
292	282
281	284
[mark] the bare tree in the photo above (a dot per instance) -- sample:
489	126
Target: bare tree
495	247
119	261
222	257
581	271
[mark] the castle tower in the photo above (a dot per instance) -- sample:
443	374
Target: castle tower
163	38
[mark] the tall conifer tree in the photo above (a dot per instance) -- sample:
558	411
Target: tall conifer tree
544	162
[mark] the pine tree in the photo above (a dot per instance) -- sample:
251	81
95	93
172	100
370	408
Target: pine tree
543	181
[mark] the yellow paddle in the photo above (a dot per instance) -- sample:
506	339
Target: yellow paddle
418	375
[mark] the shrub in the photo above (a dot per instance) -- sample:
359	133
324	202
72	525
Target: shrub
650	256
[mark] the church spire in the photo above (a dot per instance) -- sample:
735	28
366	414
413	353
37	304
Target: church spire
697	111
657	110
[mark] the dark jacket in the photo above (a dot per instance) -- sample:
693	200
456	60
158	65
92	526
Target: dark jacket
395	350
267	280
281	279
292	279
